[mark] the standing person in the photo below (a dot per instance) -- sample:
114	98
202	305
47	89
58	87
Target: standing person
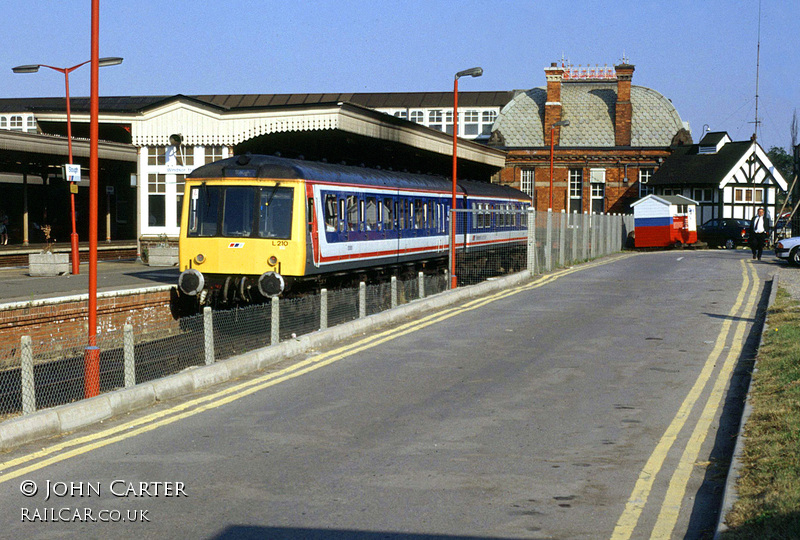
759	232
3	228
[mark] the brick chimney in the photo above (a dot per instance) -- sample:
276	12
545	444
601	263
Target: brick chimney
552	109
624	110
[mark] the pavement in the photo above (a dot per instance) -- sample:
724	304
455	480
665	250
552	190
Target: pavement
17	285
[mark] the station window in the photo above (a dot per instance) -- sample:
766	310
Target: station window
526	182
213	153
3	122
417	116
31	123
157	155
471	122
435	119
401	114
15	123
184	155
487	120
448	122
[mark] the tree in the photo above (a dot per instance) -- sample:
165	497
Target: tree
783	161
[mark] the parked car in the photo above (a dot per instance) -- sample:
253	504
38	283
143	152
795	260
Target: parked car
789	249
726	232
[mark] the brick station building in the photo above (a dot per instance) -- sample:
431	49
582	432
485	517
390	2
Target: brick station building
618	135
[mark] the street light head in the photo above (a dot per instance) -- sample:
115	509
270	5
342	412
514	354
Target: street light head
472	72
110	61
31	68
562	123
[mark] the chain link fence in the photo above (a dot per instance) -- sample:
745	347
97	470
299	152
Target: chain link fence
50	372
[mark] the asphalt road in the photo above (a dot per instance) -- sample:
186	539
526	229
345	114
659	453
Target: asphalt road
591	403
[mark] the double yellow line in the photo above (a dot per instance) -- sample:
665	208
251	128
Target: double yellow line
676	491
21	466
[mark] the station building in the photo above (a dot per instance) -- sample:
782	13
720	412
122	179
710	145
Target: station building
618	135
169	136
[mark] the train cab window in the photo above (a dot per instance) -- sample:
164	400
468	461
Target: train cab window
331	216
237	211
388	215
352	213
204	210
371	218
275	212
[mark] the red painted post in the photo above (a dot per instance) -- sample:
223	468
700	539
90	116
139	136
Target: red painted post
453	278
92	355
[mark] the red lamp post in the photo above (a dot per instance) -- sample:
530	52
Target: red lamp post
473	72
33	68
562	123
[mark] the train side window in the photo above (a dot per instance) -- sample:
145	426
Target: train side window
429	216
401	214
388	215
310	214
342	227
371	218
419	215
352	213
331	217
361	215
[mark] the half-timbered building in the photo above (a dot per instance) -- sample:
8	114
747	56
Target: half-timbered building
728	179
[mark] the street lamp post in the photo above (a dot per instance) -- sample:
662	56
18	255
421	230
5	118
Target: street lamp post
472	72
562	123
33	68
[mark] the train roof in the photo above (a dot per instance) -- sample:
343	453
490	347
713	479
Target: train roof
262	166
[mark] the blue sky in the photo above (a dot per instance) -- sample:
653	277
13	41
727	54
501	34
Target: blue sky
700	54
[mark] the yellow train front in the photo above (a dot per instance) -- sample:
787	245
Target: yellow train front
240	233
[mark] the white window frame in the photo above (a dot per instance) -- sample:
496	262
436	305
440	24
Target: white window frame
526	181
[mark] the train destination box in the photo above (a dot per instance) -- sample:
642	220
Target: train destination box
665	220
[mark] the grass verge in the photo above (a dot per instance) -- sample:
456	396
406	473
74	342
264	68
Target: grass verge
769	486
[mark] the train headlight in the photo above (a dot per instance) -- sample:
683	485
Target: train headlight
191	282
199	258
273	260
270	284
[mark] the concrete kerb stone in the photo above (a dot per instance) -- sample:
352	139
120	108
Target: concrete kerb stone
72	416
730	494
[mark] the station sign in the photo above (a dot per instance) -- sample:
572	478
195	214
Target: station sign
72	173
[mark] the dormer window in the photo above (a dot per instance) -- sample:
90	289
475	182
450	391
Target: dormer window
712	142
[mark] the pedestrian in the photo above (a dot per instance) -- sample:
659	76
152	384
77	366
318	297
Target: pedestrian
3	228
759	232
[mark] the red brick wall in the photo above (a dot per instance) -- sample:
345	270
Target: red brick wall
146	310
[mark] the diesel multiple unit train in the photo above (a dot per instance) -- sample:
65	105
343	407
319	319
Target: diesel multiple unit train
254	226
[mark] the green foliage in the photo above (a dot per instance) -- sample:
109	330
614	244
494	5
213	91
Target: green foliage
783	161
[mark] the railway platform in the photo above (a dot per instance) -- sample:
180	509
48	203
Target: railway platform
16	255
16	285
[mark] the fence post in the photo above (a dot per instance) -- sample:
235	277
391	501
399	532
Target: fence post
531	241
574	236
208	335
362	300
562	239
275	334
323	309
548	248
585	236
128	357
28	389
421	282
394	292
